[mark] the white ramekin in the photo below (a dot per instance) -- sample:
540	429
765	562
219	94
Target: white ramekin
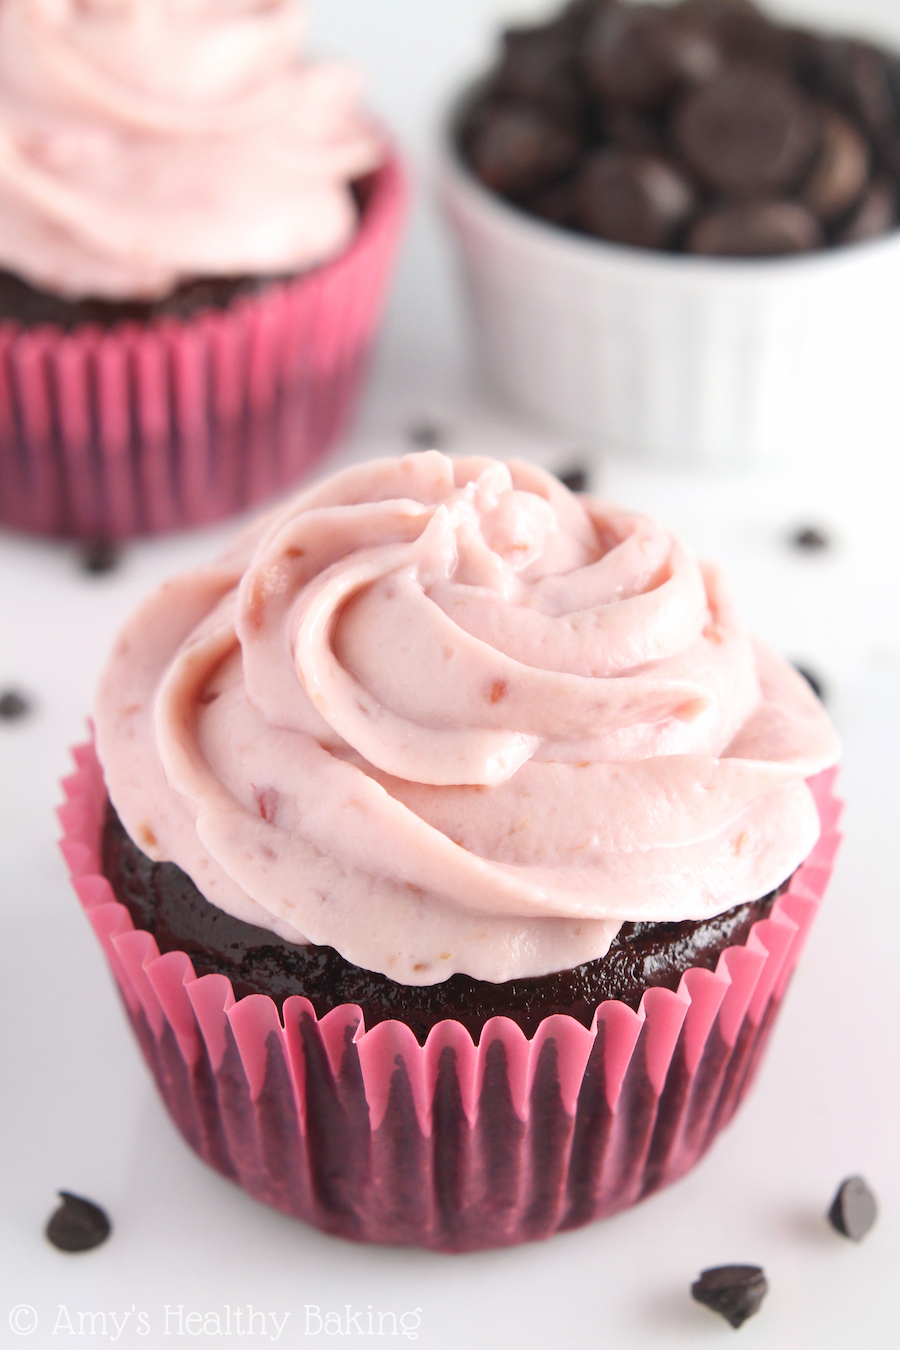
674	358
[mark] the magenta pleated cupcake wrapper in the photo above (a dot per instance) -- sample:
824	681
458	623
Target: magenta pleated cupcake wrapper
144	428
450	1145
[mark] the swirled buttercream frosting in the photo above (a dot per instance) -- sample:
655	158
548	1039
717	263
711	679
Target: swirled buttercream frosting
145	142
445	716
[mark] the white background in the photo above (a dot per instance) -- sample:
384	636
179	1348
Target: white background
79	1110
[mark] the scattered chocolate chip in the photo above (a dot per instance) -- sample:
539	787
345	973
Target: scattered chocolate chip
875	214
555	203
575	479
840	169
754	230
100	555
812	680
78	1224
517	148
734	1291
631	130
749	131
426	435
13	705
811	538
631	198
853	1210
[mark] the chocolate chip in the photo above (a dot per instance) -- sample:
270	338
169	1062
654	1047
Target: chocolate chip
857	76
516	149
875	214
99	556
734	1291
13	705
853	1210
575	479
638	54
426	435
78	1224
630	130
555	203
741	32
631	198
840	169
811	538
812	680
539	64
755	230
747	132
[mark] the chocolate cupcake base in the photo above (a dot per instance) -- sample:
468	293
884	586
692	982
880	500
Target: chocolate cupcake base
365	1133
163	900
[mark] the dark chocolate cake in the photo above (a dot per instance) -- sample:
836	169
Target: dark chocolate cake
163	900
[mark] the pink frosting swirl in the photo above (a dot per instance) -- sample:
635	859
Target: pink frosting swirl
143	142
443	715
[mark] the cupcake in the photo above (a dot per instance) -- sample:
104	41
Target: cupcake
452	845
678	228
196	227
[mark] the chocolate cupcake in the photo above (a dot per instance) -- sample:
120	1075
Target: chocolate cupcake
452	848
196	226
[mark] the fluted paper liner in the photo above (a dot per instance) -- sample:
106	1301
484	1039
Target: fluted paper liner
143	428
450	1145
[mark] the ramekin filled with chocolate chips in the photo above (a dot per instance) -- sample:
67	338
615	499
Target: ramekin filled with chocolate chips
679	226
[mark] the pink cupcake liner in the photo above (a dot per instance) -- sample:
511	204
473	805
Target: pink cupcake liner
141	429
450	1145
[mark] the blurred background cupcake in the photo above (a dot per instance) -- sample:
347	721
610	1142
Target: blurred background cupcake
196	228
678	227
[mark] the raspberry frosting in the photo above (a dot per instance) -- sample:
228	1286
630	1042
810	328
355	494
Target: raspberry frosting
145	142
443	715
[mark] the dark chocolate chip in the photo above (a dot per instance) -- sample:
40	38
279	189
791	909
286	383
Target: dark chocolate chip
99	556
853	1210
747	132
811	538
515	148
637	55
555	203
858	77
539	64
632	198
575	479
427	435
812	680
742	33
734	1291
841	167
78	1224
875	214
13	705
630	130
755	230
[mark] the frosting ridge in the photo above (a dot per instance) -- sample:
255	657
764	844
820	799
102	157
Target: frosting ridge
442	715
145	142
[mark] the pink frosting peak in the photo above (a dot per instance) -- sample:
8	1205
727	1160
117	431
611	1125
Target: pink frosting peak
144	142
443	715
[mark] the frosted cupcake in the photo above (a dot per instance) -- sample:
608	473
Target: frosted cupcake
196	226
452	847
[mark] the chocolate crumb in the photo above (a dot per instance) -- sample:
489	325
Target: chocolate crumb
575	479
99	556
78	1224
811	539
813	680
736	1292
427	435
13	705
853	1210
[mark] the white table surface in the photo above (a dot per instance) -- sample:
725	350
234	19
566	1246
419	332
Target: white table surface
79	1109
